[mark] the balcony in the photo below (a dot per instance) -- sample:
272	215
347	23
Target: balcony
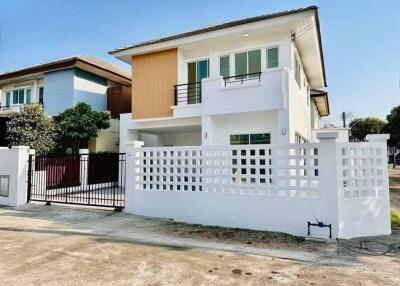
12	108
187	93
245	93
187	99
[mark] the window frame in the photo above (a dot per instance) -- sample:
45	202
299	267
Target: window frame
40	100
229	64
267	57
247	61
19	96
196	62
249	139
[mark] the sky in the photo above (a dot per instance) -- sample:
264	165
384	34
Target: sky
360	38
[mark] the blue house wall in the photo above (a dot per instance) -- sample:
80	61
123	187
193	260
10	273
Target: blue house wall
64	89
58	92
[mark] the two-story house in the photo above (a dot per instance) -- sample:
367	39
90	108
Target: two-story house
60	84
250	81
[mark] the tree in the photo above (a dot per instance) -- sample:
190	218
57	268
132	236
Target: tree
393	126
80	123
31	127
361	127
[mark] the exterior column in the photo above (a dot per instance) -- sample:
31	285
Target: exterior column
131	154
13	175
84	165
328	181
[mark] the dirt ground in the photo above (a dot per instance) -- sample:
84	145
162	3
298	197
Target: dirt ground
68	246
60	245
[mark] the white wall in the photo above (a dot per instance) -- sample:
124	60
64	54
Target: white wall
215	49
268	94
330	187
299	105
14	164
106	139
219	128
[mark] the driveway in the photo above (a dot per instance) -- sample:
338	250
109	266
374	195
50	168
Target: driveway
59	245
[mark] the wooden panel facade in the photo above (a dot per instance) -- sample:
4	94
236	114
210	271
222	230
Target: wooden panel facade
119	100
154	76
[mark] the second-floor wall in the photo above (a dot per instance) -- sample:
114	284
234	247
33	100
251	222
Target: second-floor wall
56	91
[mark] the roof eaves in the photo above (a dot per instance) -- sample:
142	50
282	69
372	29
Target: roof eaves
59	64
218	27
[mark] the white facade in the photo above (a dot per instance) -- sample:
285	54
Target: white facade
275	102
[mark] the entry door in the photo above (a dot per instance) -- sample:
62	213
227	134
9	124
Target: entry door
196	72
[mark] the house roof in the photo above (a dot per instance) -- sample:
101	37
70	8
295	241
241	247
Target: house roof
321	101
233	24
88	63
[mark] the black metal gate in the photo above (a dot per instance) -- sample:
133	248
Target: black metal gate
80	179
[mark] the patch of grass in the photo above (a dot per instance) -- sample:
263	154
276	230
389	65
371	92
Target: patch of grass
395	219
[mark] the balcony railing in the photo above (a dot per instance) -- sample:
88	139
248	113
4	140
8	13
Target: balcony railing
4	107
187	93
242	78
11	108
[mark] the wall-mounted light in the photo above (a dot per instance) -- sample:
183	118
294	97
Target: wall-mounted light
283	131
246	34
205	135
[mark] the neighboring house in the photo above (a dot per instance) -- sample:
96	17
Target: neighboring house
250	81
61	84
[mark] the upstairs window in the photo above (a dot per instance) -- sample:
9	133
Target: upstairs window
272	58
22	96
224	66
8	99
248	63
41	92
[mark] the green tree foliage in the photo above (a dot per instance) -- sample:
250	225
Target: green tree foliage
79	124
361	127
393	126
31	127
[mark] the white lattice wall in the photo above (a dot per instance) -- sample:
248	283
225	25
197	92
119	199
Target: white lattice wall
363	186
267	187
264	170
363	170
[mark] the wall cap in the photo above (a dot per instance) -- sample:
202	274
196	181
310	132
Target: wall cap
328	135
20	147
377	137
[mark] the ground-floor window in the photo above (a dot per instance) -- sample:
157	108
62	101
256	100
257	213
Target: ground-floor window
254	138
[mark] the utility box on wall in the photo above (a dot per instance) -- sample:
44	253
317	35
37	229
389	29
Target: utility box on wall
13	175
4	186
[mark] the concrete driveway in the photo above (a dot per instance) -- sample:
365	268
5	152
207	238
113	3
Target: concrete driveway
59	245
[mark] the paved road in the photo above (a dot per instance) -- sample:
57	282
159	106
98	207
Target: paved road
71	246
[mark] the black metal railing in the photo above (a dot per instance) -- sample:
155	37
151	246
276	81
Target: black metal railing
189	93
242	78
80	179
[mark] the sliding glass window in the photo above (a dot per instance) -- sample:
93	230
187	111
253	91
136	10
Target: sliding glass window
224	66
8	99
247	63
272	58
254	62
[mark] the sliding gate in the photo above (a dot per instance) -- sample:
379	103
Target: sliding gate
80	179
